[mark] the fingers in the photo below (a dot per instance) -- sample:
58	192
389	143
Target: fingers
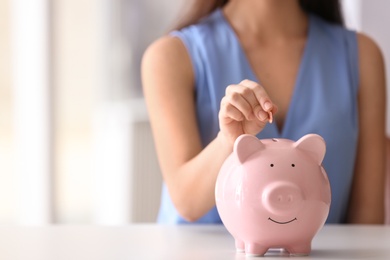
242	98
261	95
230	111
247	100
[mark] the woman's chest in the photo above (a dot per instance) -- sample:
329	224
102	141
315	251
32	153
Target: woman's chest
277	69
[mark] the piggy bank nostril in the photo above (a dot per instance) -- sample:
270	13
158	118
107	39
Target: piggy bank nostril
284	198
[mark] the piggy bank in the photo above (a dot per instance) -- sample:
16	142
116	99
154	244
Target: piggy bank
274	193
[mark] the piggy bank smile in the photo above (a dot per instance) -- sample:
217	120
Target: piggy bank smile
280	222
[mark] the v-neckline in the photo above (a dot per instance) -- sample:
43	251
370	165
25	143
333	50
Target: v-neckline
298	84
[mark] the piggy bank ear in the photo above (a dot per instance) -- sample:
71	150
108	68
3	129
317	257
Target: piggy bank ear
245	146
314	145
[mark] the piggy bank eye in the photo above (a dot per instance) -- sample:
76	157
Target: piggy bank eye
272	165
292	165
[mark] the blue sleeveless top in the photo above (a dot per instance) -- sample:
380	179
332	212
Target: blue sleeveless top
324	99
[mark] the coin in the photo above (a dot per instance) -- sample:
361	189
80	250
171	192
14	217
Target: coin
270	117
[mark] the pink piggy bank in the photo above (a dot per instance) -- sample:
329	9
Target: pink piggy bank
274	193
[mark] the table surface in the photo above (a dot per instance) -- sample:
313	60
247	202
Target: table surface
149	241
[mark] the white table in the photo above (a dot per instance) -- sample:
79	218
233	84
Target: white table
175	242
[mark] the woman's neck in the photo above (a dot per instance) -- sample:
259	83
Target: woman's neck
267	19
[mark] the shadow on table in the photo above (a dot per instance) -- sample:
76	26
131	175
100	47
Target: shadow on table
325	254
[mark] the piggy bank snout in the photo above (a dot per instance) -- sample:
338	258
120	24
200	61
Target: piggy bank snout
282	198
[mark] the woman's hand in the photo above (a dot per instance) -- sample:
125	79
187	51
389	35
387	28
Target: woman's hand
245	109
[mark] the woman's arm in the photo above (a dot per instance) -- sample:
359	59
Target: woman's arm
367	196
188	169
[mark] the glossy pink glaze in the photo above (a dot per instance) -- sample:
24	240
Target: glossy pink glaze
274	193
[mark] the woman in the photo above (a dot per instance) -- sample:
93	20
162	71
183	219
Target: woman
247	61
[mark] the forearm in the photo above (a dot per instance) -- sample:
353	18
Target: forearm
192	184
368	190
189	170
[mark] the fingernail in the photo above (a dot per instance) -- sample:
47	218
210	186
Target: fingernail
267	105
262	115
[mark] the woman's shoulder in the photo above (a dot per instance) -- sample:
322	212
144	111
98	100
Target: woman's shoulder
203	30
164	49
368	48
177	43
371	61
183	50
165	46
343	34
167	57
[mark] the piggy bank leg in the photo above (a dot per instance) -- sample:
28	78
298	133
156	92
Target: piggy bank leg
252	249
240	246
301	249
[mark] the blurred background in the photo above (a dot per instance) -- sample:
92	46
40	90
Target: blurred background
75	142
